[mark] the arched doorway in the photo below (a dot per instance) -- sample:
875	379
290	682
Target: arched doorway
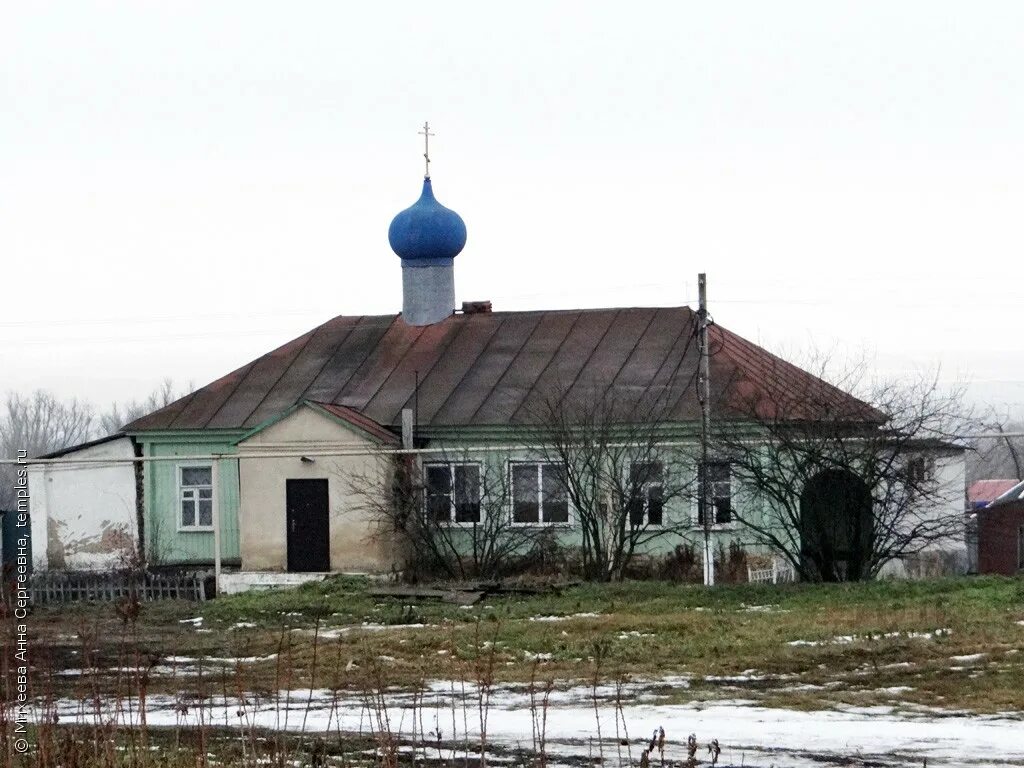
836	526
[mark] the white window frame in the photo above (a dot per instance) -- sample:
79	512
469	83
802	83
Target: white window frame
645	489
182	528
541	523
452	522
715	525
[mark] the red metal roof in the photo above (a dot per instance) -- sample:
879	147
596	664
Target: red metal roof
502	368
357	419
984	491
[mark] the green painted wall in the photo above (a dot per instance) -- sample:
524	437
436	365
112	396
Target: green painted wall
679	513
165	544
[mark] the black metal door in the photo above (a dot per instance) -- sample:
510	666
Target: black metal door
309	530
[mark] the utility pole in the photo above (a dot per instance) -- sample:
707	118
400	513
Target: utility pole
704	509
215	508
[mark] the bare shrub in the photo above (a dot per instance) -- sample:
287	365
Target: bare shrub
619	473
682	564
843	485
461	530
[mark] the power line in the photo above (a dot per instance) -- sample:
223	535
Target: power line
76	340
154	319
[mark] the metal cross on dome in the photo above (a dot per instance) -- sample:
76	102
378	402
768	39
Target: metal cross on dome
426	134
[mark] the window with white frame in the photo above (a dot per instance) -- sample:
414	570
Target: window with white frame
195	497
539	494
719	496
647	492
453	493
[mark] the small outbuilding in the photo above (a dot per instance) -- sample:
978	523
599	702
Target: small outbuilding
84	513
1001	534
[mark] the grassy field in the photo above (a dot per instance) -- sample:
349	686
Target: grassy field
953	644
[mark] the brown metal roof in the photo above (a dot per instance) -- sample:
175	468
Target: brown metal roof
753	380
501	368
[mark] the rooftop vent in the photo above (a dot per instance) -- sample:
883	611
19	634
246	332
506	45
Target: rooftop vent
476	307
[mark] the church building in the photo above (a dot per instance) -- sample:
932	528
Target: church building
272	454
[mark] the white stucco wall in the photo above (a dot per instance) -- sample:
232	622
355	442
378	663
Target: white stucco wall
356	545
948	554
84	516
951	490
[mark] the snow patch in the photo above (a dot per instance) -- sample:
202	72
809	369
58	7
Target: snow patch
537	656
970	657
750	734
190	661
847	639
769	608
333	633
566	618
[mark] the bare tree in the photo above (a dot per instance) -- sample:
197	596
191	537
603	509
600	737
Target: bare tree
38	424
119	414
618	470
451	510
1002	454
843	486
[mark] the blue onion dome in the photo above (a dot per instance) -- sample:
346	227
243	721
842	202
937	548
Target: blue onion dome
427	233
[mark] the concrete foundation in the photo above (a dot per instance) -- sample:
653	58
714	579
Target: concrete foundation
243	581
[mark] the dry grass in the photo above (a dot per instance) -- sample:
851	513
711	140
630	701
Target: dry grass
860	644
801	647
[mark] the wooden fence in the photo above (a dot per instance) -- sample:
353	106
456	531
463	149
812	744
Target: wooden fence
78	586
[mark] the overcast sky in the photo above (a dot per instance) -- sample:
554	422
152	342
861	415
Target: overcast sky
188	185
